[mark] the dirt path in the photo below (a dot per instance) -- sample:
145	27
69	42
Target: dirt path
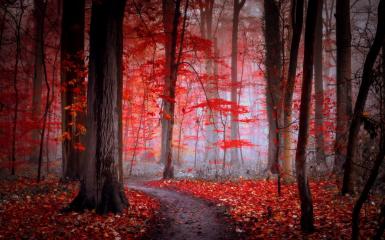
184	217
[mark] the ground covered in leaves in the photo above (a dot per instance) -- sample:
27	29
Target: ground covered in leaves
29	210
260	213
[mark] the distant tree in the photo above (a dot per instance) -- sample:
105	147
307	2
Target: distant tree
366	82
72	81
273	64
206	27
15	119
307	218
344	72
100	189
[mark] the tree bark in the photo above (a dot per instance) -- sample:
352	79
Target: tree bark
39	17
344	72
367	80
72	67
297	22
100	189
273	63
307	219
319	92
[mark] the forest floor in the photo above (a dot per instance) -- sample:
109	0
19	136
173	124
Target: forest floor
181	209
31	210
184	217
258	212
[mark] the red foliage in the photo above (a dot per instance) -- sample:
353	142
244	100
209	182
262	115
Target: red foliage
235	144
261	214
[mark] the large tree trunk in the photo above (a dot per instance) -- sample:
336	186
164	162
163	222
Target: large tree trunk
171	14
319	92
234	81
344	71
300	160
297	22
273	63
72	62
367	80
39	15
100	189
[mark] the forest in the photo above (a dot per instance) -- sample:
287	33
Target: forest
192	119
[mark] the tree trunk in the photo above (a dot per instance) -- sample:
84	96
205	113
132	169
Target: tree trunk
212	150
344	71
234	153
171	13
300	161
16	90
319	92
45	116
72	67
367	80
39	15
273	63
297	22
100	189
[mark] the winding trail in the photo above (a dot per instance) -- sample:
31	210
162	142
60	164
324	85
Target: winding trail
183	217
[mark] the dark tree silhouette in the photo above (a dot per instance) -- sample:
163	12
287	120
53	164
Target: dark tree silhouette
100	188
